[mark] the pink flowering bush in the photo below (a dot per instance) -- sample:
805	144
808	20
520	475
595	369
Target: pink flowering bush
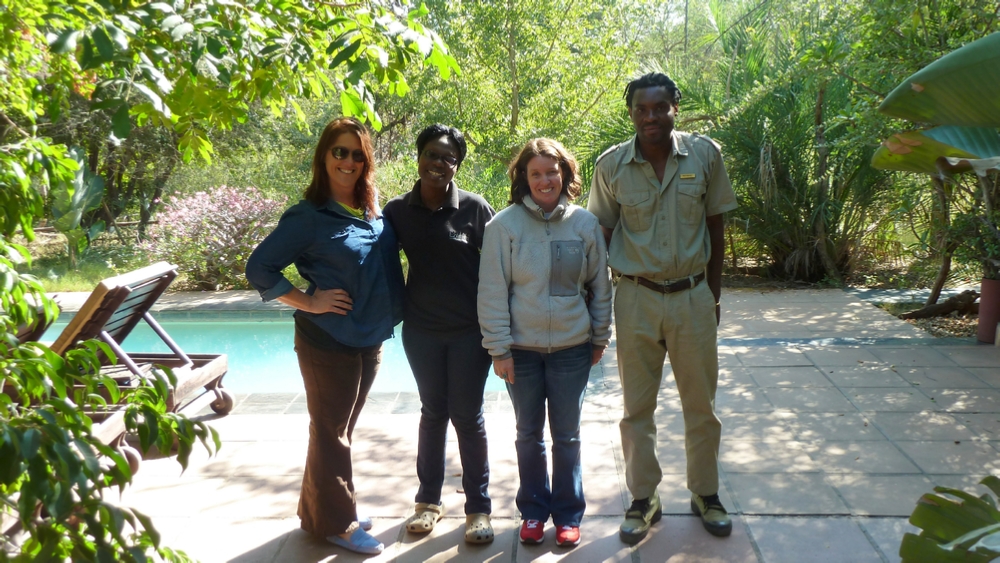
209	235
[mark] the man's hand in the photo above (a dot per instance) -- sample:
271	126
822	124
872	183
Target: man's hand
504	369
330	301
596	354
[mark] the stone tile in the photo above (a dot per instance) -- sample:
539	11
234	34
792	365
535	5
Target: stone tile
599	458
840	356
922	426
912	356
966	400
598	542
387	497
944	458
256	496
681	539
244	540
728	358
394	428
766	457
771	356
881	495
986	425
990	376
271	458
861	457
735	377
675	497
832	426
864	376
670	426
888	533
977	356
825	540
756	426
891	399
809	400
262	428
799	493
741	399
789	377
606	495
940	377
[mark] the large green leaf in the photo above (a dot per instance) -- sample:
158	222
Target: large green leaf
960	88
74	198
919	151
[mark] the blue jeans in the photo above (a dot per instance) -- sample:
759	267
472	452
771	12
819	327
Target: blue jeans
561	379
451	372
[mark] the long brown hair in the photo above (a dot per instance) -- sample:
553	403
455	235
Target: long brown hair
318	191
518	171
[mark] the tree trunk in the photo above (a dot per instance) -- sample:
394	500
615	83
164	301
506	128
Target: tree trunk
823	187
946	246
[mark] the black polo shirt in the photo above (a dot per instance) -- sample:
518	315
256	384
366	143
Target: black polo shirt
442	247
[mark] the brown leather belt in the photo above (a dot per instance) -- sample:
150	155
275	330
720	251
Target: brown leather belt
686	283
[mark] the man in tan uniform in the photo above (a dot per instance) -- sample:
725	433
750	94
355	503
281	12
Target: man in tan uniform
660	197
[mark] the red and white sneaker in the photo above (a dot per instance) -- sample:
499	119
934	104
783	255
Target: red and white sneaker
532	531
567	536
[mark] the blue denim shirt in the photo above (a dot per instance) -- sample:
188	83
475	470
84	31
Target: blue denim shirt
332	250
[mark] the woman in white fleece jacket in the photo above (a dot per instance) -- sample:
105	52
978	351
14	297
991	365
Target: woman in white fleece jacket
541	257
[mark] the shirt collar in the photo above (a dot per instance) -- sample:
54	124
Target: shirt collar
632	150
535	211
450	200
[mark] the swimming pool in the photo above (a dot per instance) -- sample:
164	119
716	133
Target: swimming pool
261	358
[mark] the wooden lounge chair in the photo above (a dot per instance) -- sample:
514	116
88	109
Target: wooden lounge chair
114	309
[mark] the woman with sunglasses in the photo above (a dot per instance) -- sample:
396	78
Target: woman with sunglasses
440	228
338	242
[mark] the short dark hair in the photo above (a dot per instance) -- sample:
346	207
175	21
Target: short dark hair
432	132
653	80
518	170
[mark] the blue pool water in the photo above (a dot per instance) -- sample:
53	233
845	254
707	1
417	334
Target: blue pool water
261	358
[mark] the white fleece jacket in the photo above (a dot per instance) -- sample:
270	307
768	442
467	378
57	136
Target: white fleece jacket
534	275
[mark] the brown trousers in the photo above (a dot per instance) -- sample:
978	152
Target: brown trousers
337	385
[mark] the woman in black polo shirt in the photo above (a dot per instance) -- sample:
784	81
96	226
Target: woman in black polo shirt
440	228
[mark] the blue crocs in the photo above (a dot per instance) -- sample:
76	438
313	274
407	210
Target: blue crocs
359	542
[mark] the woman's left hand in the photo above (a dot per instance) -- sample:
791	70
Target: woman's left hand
596	354
504	369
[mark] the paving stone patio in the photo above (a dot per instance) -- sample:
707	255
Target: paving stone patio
836	418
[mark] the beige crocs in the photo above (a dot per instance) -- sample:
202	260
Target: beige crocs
478	528
425	515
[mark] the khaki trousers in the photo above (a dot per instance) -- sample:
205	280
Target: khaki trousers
650	325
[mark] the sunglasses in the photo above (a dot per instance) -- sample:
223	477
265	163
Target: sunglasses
448	160
341	153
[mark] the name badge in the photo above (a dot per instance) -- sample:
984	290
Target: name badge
687	176
461	237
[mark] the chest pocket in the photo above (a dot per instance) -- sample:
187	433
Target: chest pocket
691	202
637	210
567	263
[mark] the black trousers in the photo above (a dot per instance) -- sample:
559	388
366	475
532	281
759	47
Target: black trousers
451	373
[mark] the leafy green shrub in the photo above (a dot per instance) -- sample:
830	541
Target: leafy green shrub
209	235
55	475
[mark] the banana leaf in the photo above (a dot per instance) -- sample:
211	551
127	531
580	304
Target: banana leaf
920	151
964	530
960	88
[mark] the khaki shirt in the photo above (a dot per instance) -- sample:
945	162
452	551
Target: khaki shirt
658	229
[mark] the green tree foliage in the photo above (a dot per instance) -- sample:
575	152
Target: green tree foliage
128	83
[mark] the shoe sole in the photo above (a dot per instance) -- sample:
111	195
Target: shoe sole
717	531
633	539
530	541
568	543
